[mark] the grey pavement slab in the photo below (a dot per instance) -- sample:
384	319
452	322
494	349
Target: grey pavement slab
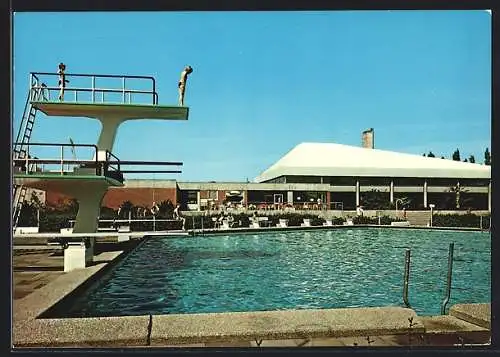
82	332
477	314
41	299
290	324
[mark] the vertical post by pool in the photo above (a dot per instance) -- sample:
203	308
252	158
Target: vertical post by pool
448	279
154	223
406	278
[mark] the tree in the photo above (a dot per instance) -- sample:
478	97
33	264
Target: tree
442	157
456	155
125	208
430	154
487	157
460	195
166	208
465	160
375	199
423	154
472	159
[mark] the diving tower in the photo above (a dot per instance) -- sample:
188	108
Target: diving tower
86	180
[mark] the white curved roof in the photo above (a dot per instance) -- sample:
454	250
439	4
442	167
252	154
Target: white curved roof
328	159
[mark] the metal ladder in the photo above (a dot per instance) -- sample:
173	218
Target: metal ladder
20	150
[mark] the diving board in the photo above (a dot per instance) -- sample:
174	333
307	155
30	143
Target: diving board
123	110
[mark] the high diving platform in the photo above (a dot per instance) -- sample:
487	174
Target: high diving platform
124	110
111	99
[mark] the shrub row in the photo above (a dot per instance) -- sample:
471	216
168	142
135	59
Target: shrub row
53	221
460	220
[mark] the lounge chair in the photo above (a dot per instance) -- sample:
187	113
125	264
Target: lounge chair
307	222
328	223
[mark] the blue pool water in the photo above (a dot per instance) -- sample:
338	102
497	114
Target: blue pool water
293	270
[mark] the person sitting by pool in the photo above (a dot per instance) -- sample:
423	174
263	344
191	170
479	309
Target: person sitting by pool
178	216
359	210
230	220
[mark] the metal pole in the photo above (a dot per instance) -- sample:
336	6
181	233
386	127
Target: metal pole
93	89
123	89
154	223
481	222
201	224
448	280
62	160
406	278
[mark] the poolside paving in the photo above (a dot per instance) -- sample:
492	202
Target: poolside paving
33	269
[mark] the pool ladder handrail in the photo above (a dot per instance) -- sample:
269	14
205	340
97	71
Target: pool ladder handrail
448	278
406	278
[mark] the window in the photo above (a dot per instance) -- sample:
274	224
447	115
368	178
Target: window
192	197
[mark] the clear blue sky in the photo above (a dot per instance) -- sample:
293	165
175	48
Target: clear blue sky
263	82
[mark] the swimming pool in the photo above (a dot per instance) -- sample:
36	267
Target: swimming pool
338	268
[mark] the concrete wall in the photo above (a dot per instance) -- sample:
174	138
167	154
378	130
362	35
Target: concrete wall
138	196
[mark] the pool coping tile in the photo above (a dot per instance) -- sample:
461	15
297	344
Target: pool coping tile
477	314
82	332
283	325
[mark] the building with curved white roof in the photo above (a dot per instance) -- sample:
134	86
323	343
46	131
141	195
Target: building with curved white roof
353	171
328	159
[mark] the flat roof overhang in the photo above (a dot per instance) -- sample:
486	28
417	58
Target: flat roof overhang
63	183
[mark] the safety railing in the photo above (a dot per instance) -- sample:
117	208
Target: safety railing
212	204
39	80
29	165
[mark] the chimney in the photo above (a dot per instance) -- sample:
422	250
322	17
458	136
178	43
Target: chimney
368	139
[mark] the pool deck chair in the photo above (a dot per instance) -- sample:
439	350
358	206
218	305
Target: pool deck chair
328	223
283	223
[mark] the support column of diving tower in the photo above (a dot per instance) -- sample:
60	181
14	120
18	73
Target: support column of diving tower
83	183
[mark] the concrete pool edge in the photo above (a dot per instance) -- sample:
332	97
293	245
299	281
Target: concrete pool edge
217	231
185	329
49	296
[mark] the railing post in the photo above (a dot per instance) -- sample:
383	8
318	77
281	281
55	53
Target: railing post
62	160
155	99
123	84
406	278
93	89
448	279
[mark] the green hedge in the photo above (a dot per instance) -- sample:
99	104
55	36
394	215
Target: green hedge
460	220
53	221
